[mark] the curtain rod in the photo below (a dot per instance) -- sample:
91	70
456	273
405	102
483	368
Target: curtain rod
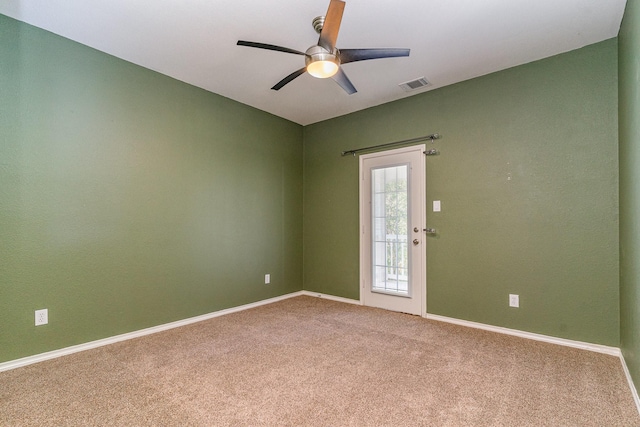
405	141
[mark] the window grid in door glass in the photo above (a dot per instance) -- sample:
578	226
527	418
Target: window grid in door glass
390	257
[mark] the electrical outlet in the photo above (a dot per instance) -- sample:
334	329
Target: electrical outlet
42	317
514	300
267	279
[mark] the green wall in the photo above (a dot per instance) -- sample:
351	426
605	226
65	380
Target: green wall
528	179
129	199
629	117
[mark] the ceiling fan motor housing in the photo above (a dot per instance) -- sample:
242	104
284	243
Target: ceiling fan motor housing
318	53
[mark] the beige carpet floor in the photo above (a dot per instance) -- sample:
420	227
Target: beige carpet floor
307	361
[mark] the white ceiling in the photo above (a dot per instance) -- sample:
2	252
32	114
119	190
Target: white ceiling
450	41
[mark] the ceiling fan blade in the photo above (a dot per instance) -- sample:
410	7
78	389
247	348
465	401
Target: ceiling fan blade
331	27
352	55
269	47
289	78
341	78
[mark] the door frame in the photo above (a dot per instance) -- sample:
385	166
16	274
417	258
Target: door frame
422	200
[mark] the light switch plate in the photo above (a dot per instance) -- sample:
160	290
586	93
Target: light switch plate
514	300
436	205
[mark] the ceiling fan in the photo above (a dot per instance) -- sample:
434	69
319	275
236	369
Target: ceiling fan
323	59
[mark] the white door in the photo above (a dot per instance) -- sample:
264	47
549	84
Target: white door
392	222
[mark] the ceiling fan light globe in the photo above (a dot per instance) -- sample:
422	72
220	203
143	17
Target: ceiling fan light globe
321	63
322	69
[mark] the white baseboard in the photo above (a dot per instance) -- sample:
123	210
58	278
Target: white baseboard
331	297
632	386
613	351
12	364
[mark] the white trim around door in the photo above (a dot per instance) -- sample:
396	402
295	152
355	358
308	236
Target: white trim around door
392	230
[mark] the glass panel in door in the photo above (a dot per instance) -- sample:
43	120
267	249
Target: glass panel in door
390	215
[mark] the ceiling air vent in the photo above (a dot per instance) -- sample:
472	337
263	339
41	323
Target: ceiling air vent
414	84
